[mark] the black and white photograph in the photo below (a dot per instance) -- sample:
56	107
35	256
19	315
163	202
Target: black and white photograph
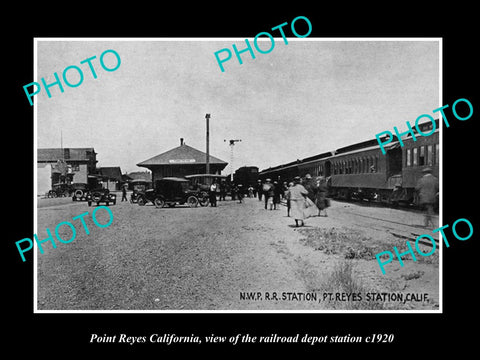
230	180
171	180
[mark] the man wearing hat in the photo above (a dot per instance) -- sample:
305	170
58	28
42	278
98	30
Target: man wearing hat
259	189
268	191
427	190
309	185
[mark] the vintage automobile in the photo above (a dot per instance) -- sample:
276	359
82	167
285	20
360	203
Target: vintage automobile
59	190
79	191
171	191
202	182
101	195
138	186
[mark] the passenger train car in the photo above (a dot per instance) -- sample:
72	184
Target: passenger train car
246	175
361	171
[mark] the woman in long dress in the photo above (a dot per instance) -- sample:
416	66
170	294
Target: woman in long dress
321	195
297	194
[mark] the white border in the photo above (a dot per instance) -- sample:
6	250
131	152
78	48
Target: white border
440	218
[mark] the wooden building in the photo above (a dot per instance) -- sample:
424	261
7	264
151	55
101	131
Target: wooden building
111	177
180	161
67	165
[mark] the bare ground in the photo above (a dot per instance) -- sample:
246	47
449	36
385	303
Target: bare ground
232	257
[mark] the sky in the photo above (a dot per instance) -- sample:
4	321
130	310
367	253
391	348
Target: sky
303	98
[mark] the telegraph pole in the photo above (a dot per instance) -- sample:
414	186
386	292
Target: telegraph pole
207	117
231	143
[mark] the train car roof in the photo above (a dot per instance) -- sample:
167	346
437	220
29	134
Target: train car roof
335	154
351	149
201	175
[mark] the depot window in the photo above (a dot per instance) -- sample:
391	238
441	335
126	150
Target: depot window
408	157
415	156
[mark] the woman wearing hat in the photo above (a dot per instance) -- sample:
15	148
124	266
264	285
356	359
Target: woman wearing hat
297	201
321	195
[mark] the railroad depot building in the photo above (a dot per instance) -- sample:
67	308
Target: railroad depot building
64	165
180	161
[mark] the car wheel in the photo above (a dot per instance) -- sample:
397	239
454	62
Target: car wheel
192	201
96	197
203	199
159	203
141	201
78	193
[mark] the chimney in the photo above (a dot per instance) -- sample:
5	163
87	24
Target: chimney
181	141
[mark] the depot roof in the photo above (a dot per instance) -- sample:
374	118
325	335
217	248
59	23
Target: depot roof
181	155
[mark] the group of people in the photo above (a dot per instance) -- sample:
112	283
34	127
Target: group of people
221	189
271	192
303	199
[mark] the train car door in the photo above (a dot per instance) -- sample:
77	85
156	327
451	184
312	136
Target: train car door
328	168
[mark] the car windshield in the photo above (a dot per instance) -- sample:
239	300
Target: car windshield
184	186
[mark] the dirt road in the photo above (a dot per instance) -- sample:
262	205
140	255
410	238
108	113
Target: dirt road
232	257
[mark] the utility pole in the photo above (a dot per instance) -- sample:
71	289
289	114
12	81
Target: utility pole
207	170
232	144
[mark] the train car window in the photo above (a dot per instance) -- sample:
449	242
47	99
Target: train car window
421	156
408	157
415	156
430	155
376	163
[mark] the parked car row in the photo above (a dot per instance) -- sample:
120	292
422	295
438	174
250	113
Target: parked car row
171	191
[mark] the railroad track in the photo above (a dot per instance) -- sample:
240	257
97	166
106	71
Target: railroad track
401	229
